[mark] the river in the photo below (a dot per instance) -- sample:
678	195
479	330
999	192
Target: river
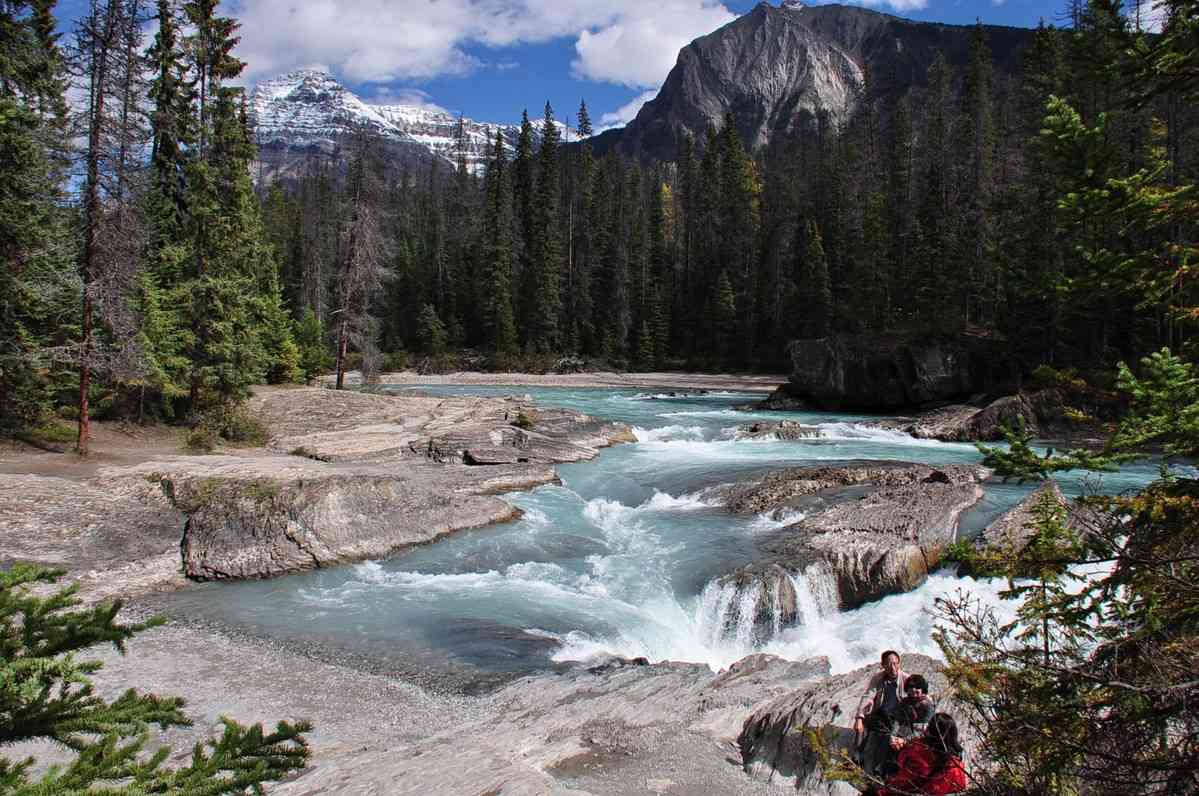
621	558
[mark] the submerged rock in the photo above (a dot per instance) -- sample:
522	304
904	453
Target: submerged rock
784	430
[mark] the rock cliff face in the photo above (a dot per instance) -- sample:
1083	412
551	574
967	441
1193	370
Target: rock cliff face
865	373
771	66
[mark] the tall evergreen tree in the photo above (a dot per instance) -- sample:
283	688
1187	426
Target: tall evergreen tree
543	322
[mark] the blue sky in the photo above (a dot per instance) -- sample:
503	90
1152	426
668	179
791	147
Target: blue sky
489	59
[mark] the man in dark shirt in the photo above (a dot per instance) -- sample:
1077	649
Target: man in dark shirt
877	715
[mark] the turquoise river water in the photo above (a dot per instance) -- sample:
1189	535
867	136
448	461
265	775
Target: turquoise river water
622	558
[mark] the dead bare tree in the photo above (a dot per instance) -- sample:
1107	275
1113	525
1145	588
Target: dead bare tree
108	62
364	250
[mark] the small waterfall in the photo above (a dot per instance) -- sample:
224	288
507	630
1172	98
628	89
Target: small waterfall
816	594
751	608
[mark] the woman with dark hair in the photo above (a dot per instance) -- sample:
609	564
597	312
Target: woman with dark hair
931	764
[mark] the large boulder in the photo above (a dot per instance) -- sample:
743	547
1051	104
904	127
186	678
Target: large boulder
774	740
966	423
882	537
254	526
875	374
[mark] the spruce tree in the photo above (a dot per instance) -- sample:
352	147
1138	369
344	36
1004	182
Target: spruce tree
543	320
47	694
500	321
34	239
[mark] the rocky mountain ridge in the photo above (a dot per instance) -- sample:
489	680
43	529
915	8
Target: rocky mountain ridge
777	64
308	112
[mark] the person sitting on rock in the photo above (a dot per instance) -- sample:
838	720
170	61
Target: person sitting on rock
915	709
877	713
931	765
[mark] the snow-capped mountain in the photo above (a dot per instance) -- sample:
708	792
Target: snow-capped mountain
308	111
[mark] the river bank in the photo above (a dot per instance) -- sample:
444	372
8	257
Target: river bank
603	555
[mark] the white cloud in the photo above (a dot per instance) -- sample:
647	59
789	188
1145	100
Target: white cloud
623	41
640	46
413	97
625	113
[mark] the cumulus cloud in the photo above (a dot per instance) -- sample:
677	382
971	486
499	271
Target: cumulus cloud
625	113
623	41
640	46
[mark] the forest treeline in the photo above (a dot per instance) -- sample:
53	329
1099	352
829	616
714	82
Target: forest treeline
147	276
936	212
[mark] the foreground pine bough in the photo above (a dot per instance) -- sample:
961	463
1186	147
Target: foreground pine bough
46	693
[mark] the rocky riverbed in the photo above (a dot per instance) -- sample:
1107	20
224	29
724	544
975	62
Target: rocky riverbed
351	476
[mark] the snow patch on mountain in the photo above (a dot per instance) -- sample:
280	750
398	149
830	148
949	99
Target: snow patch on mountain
308	110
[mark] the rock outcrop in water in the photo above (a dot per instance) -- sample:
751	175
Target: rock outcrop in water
369	475
883	535
257	526
966	423
872	374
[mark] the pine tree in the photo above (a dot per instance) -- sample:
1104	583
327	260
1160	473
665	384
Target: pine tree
48	695
364	250
33	235
542	321
497	224
821	307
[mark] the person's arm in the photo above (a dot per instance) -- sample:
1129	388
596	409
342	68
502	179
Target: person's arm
865	703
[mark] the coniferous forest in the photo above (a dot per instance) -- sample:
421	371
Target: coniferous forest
147	276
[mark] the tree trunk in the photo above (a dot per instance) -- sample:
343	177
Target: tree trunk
99	80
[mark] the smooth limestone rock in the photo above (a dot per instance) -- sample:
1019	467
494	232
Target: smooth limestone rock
781	488
260	527
883	539
872	374
774	741
610	727
367	475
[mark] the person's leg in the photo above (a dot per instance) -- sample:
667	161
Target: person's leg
875	751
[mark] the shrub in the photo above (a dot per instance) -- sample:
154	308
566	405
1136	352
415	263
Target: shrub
201	439
522	421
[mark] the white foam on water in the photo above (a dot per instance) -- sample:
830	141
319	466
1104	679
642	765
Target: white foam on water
714	631
773	520
668	433
694	501
887	436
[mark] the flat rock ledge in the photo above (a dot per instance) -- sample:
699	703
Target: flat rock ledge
774	741
258	527
868	530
